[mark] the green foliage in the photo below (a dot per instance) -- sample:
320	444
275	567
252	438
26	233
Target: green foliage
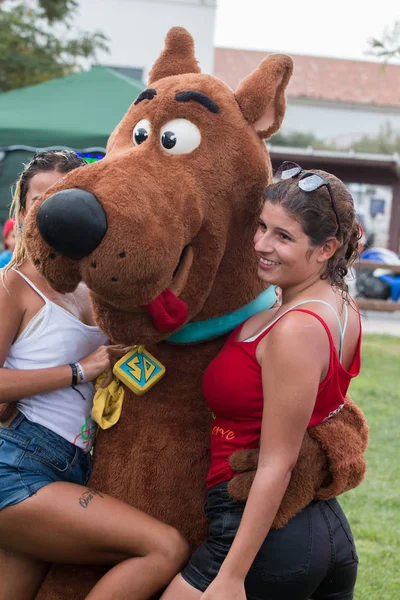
57	10
373	508
386	142
297	139
389	46
31	51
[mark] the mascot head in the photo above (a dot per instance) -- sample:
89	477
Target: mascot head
161	229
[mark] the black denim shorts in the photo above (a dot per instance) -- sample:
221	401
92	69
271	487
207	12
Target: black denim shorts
312	557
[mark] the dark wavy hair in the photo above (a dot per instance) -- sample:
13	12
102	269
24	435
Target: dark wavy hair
313	210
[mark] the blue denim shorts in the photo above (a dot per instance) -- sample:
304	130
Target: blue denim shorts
32	456
312	557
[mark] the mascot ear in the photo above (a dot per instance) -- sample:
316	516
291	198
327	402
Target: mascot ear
261	96
177	57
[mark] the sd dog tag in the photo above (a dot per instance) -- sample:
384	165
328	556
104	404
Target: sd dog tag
139	370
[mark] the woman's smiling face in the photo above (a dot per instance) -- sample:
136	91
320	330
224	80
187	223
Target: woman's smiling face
284	252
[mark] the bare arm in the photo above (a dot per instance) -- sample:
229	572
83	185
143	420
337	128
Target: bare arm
15	385
18	384
294	355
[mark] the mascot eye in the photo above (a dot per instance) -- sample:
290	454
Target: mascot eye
180	136
141	132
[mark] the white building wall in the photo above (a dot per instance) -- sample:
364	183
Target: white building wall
137	28
339	123
379	225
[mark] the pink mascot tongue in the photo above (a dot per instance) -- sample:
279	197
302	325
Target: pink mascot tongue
167	311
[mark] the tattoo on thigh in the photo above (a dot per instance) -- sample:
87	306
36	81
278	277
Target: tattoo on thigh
87	496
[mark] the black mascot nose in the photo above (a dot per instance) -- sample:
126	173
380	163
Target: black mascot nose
73	222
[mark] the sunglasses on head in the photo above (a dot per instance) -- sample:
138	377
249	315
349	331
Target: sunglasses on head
308	182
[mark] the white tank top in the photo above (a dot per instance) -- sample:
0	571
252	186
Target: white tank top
55	338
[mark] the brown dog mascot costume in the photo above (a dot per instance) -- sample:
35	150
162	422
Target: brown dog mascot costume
167	241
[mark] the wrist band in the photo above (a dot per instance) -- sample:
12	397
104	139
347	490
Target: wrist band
81	372
74	374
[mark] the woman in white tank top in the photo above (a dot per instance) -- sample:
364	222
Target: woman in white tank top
51	351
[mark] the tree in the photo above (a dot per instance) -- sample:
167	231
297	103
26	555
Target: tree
55	10
389	46
36	43
298	139
386	142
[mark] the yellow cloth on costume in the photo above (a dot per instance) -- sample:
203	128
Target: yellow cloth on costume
107	402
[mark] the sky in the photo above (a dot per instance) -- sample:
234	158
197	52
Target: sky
339	28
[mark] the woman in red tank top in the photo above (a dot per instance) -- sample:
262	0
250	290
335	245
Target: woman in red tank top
280	372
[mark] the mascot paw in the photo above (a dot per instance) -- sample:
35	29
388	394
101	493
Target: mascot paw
239	486
7	412
307	477
330	462
243	462
344	440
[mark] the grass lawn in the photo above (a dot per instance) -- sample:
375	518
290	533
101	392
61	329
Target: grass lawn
373	509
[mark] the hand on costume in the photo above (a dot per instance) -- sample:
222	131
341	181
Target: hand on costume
224	587
102	361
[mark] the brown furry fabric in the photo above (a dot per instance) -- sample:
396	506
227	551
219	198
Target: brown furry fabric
343	439
6	411
158	204
272	99
177	57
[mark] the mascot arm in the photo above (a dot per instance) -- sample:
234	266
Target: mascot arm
330	462
7	410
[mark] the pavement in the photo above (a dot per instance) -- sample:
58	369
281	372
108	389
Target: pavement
381	322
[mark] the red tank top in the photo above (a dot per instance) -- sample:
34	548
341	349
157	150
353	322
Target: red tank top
232	388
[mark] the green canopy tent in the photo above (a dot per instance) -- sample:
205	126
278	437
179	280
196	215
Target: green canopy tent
78	112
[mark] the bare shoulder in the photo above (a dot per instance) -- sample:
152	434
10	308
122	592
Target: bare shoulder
12	295
12	299
296	325
298	335
298	332
11	287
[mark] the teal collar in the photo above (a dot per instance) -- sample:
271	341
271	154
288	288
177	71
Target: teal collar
199	331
